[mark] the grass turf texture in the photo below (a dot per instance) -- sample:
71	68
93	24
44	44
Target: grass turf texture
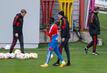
81	63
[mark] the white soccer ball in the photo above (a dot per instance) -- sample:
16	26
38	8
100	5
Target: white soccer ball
5	56
7	47
33	55
100	42
27	55
30	55
12	55
20	56
8	55
17	51
1	55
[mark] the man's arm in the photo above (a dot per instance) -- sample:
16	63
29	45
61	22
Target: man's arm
15	20
64	28
15	25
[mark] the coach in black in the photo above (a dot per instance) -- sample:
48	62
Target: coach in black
94	30
65	35
17	30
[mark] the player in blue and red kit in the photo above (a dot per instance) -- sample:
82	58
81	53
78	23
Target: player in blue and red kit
53	44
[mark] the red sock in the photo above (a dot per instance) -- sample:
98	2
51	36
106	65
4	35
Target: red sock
95	43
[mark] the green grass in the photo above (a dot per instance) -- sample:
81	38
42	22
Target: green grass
81	63
103	21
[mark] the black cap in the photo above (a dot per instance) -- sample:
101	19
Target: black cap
61	13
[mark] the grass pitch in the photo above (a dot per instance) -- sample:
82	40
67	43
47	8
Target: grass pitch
81	63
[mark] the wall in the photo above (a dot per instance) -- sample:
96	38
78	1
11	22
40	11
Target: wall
8	9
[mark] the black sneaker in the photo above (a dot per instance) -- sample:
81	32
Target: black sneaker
86	50
56	64
68	64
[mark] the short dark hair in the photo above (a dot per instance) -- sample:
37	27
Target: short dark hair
51	19
23	11
96	8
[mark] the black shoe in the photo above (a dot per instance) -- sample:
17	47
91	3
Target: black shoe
68	64
86	50
56	64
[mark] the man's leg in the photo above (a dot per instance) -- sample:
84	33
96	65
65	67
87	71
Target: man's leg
13	44
60	49
59	56
95	45
66	47
21	43
57	63
78	34
48	57
88	46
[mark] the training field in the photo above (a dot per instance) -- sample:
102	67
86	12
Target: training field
81	63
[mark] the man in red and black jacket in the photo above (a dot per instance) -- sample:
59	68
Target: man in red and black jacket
94	30
65	35
17	30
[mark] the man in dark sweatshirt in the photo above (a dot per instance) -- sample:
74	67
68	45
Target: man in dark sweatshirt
94	30
65	35
17	30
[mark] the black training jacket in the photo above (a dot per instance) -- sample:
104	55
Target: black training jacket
18	23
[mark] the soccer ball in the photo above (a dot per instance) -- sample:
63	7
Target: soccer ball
30	55
7	47
27	56
33	55
1	55
5	56
8	55
20	56
17	51
12	55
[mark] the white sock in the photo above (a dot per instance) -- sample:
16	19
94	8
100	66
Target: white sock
63	62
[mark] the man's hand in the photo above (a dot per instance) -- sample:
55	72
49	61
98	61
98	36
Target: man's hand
48	27
63	39
16	35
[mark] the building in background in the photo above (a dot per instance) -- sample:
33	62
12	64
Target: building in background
102	4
